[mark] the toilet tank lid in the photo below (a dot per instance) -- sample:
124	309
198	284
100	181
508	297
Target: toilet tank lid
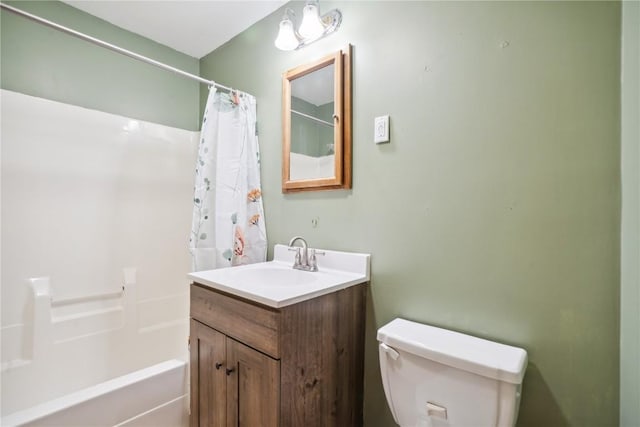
479	356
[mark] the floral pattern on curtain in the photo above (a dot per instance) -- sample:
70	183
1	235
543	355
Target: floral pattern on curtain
228	225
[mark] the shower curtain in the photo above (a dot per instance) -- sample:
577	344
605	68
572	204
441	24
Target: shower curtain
228	225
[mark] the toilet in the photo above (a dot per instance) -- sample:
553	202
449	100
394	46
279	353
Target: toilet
434	377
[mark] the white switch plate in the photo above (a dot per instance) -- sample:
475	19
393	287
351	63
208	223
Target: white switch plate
381	129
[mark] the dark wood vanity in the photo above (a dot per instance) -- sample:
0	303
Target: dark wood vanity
300	365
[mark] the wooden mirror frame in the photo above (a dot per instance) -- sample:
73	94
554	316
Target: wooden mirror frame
342	124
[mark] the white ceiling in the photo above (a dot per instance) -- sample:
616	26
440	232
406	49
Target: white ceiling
191	27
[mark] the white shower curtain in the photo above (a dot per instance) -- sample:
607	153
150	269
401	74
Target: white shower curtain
228	225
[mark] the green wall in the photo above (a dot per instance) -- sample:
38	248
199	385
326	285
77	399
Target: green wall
43	62
630	257
495	209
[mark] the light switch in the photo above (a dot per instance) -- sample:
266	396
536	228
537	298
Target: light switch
381	129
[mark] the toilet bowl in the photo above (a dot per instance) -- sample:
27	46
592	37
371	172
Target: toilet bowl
434	377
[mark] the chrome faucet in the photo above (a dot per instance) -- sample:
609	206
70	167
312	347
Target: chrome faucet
302	260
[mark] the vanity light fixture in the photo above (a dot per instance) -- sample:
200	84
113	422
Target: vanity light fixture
313	26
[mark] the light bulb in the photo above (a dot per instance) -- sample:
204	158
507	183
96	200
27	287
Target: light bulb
311	26
286	39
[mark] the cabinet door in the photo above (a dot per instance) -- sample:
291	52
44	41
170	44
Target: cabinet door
208	379
253	387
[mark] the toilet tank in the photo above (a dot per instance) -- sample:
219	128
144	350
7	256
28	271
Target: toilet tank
434	377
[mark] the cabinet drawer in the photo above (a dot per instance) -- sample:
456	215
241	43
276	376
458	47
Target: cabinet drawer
252	324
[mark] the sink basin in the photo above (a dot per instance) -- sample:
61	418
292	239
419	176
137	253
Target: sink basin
277	284
269	275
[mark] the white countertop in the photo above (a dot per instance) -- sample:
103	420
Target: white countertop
277	284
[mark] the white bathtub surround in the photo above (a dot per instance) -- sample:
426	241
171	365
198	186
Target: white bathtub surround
154	396
95	211
309	167
228	226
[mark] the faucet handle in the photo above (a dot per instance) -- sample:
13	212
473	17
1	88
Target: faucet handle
313	261
298	257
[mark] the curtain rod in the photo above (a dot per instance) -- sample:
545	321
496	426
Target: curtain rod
110	46
315	119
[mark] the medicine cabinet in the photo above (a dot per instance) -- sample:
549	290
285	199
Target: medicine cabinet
316	124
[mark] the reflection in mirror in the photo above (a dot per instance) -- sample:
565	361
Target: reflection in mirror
312	110
316	118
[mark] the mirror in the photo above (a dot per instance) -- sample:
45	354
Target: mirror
316	124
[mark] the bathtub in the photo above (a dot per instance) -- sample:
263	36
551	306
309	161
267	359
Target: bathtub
153	396
89	366
96	211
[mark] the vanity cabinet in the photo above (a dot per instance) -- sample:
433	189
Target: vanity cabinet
299	365
233	382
